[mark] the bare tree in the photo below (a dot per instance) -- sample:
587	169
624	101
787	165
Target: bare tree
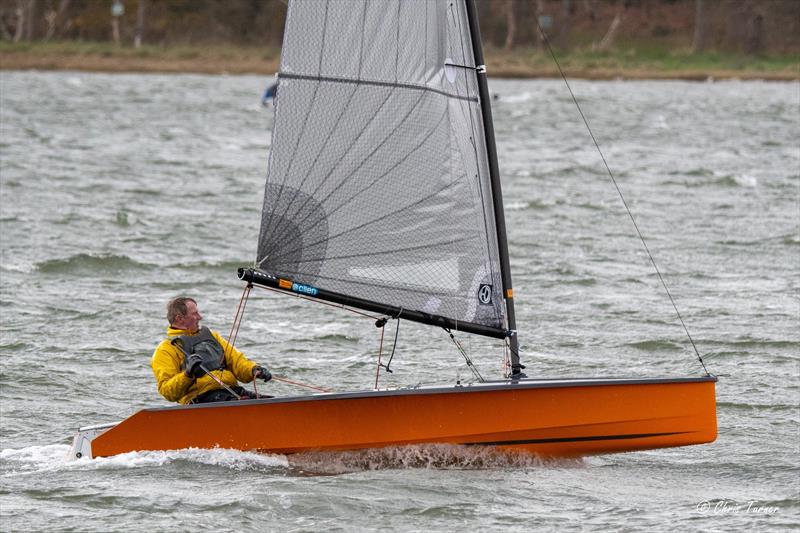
567	10
589	6
700	26
20	12
754	44
30	20
511	24
540	35
140	19
608	39
54	18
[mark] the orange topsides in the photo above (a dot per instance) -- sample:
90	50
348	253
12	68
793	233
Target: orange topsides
553	418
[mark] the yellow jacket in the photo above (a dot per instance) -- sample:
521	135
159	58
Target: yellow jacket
173	383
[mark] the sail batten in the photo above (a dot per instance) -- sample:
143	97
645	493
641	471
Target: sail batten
378	187
333	79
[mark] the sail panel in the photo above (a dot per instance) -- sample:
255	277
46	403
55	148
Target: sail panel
378	183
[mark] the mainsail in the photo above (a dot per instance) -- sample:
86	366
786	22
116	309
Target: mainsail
378	185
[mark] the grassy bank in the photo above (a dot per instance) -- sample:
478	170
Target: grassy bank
633	63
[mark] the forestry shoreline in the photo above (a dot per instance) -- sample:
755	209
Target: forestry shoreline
517	63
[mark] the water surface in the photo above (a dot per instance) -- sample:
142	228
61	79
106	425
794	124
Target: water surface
121	191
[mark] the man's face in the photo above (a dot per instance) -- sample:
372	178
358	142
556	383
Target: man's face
191	320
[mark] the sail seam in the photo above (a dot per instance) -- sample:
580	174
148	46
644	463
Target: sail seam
412	86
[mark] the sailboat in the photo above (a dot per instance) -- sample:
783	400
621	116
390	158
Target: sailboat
389	202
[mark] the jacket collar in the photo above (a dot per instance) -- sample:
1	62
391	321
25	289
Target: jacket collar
175	332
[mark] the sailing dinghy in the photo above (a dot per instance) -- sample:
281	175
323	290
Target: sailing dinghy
389	203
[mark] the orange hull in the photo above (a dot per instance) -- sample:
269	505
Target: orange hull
561	418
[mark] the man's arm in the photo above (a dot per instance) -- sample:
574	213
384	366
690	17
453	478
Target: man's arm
172	382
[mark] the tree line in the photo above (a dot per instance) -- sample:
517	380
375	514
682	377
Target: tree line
744	26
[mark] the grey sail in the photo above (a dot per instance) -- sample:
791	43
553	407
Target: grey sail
378	185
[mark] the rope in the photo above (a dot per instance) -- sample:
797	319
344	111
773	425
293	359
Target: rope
394	346
380	351
619	191
284	380
381	323
237	319
237	322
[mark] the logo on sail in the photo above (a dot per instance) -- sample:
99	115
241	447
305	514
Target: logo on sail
297	287
304	289
485	294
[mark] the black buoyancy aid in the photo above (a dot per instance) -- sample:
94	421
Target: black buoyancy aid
203	344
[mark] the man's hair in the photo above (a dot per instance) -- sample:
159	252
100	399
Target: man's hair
177	306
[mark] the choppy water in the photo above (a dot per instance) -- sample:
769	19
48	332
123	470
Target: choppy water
120	191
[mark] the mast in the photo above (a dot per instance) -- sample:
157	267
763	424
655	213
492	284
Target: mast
494	175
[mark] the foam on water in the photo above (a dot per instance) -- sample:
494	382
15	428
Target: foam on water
54	457
425	456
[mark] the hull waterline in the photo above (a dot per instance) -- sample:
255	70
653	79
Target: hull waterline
551	418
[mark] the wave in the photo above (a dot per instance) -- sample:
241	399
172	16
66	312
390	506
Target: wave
525	205
227	266
791	239
583	282
336	338
693	172
655	346
787	239
732	181
14	347
516	206
759	343
91	263
726	181
756	406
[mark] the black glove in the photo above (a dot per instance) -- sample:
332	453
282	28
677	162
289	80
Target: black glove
262	372
193	369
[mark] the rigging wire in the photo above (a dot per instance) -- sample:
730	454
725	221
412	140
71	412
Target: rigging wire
619	191
316	300
470	365
506	366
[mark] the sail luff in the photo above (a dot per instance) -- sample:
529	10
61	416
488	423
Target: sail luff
494	173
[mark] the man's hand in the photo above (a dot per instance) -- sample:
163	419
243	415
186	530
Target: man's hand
262	372
193	369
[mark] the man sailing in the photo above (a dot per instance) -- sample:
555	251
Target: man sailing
196	365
